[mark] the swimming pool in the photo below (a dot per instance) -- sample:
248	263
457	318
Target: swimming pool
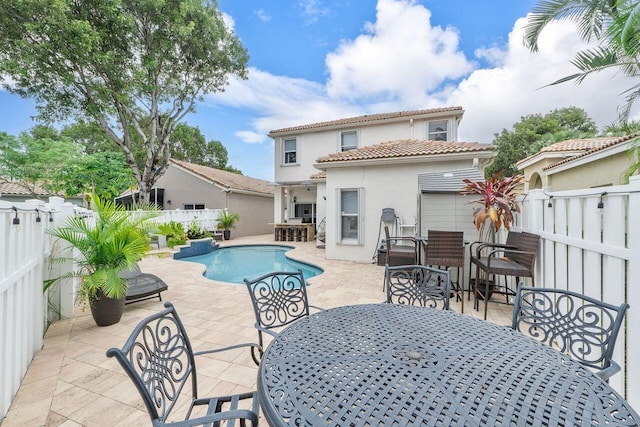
235	263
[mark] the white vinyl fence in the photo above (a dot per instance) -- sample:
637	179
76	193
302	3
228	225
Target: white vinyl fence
25	255
590	243
205	218
23	259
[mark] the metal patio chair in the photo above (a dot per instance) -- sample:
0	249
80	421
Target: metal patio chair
516	258
418	285
446	249
579	326
159	359
278	299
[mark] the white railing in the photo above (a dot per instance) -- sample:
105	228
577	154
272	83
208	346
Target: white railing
205	218
590	243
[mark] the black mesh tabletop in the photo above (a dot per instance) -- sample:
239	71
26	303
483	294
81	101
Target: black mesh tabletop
398	365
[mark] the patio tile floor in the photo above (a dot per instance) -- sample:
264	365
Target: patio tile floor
71	382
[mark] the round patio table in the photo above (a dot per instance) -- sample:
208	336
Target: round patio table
398	365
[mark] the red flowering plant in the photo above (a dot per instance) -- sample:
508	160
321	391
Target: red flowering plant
497	200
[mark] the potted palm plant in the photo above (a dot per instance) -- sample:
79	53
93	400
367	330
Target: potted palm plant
116	241
227	221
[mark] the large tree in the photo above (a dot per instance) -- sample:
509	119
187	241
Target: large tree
136	67
612	25
535	131
35	161
46	159
190	145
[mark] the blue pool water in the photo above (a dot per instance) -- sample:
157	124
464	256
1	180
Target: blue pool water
235	263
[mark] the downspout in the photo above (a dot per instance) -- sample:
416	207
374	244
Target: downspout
411	133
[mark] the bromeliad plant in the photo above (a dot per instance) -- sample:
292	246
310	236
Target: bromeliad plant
497	200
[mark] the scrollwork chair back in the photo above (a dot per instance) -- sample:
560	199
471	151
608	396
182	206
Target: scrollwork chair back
418	285
577	325
278	299
159	359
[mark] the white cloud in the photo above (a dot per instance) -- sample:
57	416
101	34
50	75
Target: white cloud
262	15
281	101
229	21
312	10
401	62
251	137
496	98
400	57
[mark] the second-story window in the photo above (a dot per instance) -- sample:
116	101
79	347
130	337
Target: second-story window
348	140
438	131
290	149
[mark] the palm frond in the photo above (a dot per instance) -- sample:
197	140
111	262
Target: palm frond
587	14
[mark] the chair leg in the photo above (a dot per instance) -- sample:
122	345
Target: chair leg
458	286
486	295
476	299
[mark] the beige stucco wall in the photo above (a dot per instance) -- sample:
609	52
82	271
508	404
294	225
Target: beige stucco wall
537	168
255	211
182	188
256	214
393	186
604	172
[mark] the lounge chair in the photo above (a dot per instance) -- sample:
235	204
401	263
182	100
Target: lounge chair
142	286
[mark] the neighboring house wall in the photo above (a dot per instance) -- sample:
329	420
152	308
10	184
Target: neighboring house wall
182	187
607	171
534	177
392	186
255	214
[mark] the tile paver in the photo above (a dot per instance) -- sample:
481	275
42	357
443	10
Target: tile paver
71	382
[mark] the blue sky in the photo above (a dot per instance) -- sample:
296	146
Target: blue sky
314	60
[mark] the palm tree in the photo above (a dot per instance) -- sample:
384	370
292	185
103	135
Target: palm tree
614	25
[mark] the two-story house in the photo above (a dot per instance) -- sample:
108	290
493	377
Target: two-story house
346	171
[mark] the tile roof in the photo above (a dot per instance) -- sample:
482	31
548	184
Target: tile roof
19	189
406	148
368	118
591	146
576	146
230	180
319	176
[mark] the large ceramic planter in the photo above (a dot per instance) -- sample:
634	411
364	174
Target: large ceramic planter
226	234
107	311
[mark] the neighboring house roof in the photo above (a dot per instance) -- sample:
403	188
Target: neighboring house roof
573	148
16	188
228	180
406	148
604	144
368	118
447	181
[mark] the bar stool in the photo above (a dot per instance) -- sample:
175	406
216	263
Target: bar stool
446	249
